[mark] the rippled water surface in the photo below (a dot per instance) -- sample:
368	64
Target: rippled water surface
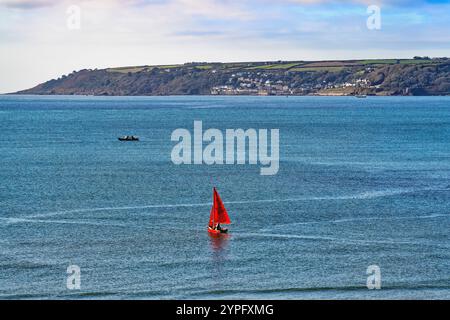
361	182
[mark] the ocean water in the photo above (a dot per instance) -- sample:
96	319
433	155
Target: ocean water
361	182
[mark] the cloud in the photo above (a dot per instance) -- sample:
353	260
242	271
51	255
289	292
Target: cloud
27	4
368	2
217	7
138	32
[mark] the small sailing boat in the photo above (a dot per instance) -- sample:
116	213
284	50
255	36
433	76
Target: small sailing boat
219	215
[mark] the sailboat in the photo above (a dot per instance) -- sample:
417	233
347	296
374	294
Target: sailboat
219	215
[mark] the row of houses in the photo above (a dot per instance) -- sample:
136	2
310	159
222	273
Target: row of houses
258	86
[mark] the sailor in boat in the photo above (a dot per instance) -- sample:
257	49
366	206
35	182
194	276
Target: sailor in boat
218	228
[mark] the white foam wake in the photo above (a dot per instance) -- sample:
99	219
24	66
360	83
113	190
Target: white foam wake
359	196
24	220
64	212
344	220
334	239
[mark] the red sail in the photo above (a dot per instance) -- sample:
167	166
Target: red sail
213	217
218	212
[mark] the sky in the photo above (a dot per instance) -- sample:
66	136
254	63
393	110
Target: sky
44	39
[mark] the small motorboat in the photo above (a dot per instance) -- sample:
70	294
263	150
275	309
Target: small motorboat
219	215
361	96
128	138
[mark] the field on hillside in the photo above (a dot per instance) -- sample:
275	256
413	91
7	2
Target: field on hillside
296	66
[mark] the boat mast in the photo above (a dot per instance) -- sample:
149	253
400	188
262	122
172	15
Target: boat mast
214	208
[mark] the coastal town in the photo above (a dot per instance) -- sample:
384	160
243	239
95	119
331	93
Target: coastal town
264	84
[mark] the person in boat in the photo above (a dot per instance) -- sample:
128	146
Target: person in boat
216	227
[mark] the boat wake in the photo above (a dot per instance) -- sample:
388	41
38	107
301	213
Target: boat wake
345	220
81	222
358	196
334	239
65	212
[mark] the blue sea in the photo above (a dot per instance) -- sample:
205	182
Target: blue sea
361	182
